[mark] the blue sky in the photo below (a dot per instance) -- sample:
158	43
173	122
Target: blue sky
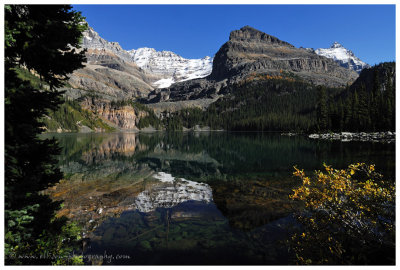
195	31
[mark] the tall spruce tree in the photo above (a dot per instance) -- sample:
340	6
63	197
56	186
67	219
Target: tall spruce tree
375	99
355	123
322	109
364	120
41	39
390	104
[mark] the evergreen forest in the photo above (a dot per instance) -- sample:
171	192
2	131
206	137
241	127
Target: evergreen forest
287	104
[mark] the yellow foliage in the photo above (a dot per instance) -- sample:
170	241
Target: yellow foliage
341	205
256	77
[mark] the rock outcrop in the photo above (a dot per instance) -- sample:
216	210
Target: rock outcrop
120	117
109	71
92	40
250	51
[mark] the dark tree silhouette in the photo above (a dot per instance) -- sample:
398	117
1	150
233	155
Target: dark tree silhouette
40	39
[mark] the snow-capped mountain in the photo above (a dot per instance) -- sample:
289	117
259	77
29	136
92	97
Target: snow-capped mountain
343	56
162	67
172	67
92	40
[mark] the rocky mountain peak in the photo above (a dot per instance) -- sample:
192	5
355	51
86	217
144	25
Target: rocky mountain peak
92	40
342	56
109	71
251	51
336	45
250	34
159	68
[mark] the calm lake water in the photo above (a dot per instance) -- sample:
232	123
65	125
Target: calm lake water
193	198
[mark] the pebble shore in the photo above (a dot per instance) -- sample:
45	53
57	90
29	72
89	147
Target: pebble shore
357	136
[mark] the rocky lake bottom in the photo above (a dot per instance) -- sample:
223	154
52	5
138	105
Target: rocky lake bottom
193	198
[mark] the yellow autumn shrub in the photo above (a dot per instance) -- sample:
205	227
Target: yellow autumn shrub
348	217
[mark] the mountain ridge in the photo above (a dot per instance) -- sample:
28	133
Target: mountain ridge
158	68
250	51
250	60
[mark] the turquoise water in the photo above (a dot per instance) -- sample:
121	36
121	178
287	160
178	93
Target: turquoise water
193	198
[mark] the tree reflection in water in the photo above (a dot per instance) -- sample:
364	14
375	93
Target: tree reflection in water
227	202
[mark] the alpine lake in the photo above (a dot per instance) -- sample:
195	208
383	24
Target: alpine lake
193	198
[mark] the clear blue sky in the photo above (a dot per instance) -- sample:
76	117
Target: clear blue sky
194	31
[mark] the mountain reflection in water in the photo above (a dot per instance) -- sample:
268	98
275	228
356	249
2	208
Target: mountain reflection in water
192	198
171	192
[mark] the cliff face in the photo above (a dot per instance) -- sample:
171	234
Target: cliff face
250	52
109	83
114	73
109	71
123	118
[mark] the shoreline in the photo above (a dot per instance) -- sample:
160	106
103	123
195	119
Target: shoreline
386	136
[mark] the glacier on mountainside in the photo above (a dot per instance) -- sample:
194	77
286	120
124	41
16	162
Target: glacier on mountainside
172	67
343	56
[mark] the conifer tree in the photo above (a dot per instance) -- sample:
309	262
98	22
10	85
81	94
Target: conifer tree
41	39
348	112
355	123
390	100
363	113
375	99
322	108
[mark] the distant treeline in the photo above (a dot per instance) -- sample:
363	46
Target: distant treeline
268	103
287	104
367	105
